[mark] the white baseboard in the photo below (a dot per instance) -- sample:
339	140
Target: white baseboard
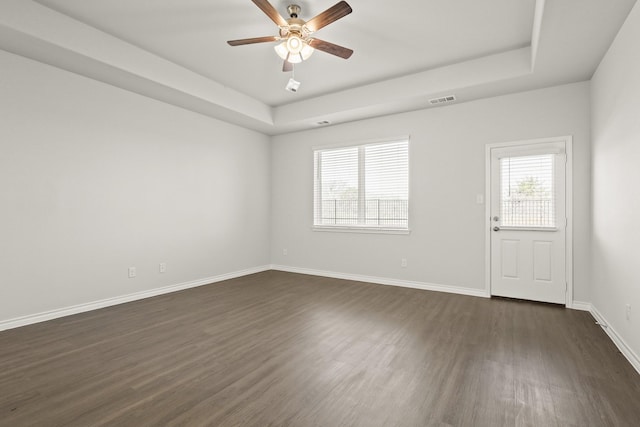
94	305
386	281
581	306
575	305
631	356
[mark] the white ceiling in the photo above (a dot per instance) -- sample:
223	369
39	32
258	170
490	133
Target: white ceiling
389	38
406	52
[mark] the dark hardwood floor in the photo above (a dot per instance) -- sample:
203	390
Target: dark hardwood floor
281	349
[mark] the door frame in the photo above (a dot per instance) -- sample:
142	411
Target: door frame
568	143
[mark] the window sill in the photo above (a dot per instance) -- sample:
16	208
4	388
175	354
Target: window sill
367	230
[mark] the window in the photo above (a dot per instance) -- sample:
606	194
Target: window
363	187
527	191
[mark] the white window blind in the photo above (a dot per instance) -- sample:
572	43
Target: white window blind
363	186
527	191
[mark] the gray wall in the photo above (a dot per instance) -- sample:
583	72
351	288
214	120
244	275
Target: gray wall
447	170
616	184
94	179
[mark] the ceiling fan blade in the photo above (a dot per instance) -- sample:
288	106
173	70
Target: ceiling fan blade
253	40
271	12
330	15
287	66
331	48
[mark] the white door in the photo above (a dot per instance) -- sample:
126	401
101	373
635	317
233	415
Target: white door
528	222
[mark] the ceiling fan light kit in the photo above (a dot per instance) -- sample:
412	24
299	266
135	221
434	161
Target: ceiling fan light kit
296	44
294	50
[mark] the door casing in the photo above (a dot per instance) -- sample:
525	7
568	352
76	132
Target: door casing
568	142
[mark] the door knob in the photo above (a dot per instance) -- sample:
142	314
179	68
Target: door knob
496	228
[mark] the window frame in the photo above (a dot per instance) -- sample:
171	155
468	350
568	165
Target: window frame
317	197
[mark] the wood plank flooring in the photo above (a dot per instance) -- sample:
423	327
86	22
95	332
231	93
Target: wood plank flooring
282	349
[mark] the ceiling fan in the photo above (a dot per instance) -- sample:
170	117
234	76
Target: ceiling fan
295	34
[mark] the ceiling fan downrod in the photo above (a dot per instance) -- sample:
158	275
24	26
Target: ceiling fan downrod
293	10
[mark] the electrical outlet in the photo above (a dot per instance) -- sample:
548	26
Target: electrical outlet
285	252
628	311
132	272
163	267
403	263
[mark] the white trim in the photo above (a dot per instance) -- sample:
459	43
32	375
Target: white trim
385	281
95	305
356	143
108	302
363	229
631	356
568	236
517	228
568	144
545	140
533	149
581	306
487	219
535	33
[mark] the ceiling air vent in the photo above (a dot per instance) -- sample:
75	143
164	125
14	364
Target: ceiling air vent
442	100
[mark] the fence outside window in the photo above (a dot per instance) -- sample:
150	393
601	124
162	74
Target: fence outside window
528	213
378	212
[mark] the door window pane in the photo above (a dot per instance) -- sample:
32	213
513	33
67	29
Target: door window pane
527	191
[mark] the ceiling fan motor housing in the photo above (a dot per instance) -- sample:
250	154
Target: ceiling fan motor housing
296	26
